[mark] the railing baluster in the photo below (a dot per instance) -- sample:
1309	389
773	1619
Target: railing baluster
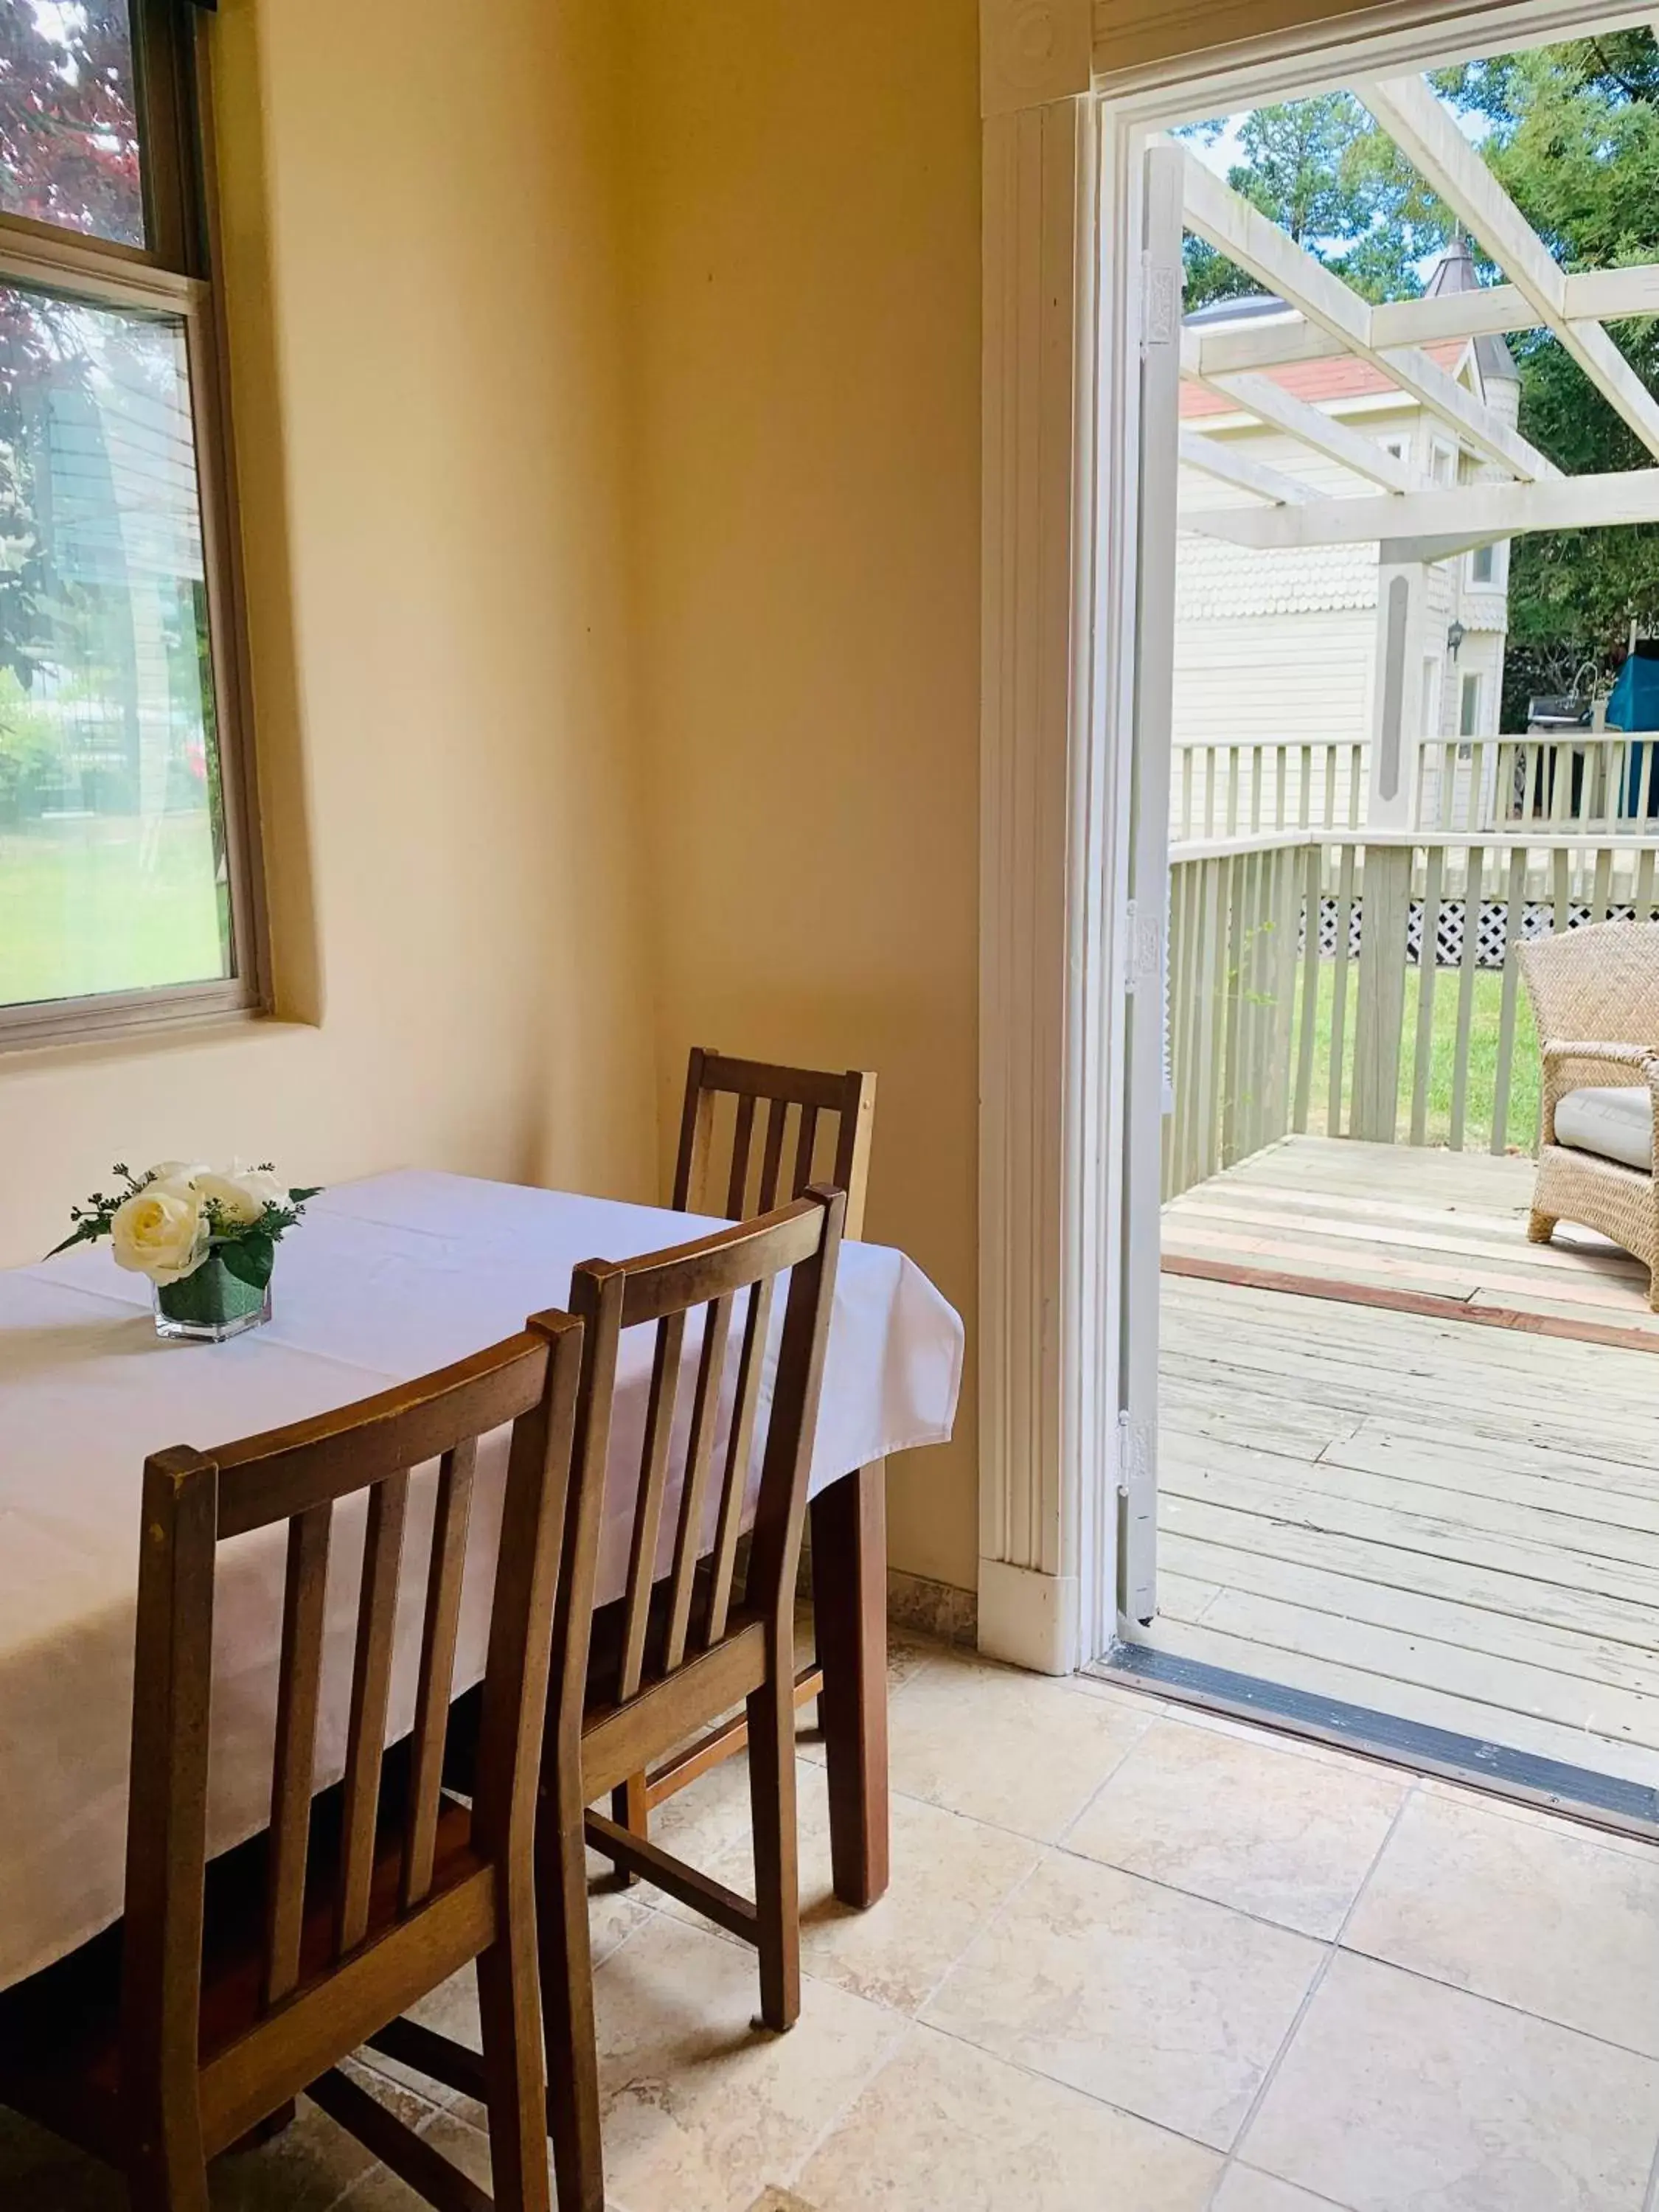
1339	991
1474	867
1428	969
1516	907
1212	1012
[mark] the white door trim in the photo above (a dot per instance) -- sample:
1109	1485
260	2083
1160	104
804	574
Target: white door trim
1061	341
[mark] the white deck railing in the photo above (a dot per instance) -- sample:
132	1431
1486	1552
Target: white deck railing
1303	993
1600	781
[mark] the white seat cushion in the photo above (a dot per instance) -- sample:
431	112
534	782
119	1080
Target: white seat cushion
1618	1124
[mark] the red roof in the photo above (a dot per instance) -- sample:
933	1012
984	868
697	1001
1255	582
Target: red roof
1339	377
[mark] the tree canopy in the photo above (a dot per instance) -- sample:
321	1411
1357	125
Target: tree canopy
1572	133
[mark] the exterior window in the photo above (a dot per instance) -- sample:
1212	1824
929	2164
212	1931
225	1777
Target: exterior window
1443	463
125	866
1483	565
1430	718
1469	709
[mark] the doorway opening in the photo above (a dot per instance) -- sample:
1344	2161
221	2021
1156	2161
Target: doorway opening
1388	1451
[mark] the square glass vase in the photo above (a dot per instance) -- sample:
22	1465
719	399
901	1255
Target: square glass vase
210	1305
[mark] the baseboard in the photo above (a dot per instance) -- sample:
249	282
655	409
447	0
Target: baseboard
936	1609
1028	1619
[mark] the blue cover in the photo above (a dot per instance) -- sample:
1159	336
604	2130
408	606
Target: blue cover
1634	704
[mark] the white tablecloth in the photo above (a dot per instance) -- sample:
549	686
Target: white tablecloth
385	1279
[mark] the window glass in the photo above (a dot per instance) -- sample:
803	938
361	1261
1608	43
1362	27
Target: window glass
69	128
112	863
1483	564
1469	710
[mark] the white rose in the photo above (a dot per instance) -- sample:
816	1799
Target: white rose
160	1231
241	1196
173	1171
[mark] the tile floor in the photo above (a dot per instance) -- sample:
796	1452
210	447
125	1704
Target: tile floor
1132	1960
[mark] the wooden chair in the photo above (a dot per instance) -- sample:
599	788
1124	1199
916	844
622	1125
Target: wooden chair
832	1113
838	1109
1595	995
675	1652
228	1988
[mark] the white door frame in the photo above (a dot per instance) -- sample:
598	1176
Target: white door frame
1068	88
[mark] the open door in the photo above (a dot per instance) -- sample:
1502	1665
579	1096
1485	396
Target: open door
1145	934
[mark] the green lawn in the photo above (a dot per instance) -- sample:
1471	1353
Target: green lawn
93	905
1521	1123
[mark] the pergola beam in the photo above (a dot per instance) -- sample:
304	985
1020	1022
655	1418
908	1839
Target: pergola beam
1596	295
1246	236
1227	465
1270	403
1462	516
1420	127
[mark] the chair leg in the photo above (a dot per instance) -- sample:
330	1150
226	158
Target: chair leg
777	1872
629	1810
1541	1227
566	1990
509	2017
159	2183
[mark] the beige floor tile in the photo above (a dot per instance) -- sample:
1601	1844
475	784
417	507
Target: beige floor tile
304	2169
1167	2005
949	1874
1238	1820
944	2128
700	2108
1017	1750
1535	1816
1243	2189
463	2146
1400	2093
1541	1917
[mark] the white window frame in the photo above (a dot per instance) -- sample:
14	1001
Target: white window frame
1067	91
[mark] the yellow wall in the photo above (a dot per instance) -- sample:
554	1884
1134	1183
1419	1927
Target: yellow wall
607	405
423	281
805	219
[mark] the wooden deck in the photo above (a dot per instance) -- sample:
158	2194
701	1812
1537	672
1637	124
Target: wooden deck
1453	1523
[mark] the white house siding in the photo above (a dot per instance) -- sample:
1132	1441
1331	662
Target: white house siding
1238	678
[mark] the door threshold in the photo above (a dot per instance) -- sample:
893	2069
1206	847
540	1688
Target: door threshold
1578	1793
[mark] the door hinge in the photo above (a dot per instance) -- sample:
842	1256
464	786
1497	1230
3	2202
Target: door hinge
1160	301
1143	953
1134	1460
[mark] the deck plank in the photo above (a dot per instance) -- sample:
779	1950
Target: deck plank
1451	1523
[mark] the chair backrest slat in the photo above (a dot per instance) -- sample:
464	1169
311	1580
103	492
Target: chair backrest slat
804	1145
299	1687
777	1114
452	1514
743	1131
740	1449
801	1242
698	1458
649	1503
371	1692
849	1097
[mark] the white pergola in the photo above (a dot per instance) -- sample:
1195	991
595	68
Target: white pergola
1410	519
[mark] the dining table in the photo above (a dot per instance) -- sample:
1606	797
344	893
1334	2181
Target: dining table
385	1279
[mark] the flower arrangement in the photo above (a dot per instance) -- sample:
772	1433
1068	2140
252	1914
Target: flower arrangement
206	1237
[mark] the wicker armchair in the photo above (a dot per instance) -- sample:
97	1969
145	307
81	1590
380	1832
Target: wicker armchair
1596	997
